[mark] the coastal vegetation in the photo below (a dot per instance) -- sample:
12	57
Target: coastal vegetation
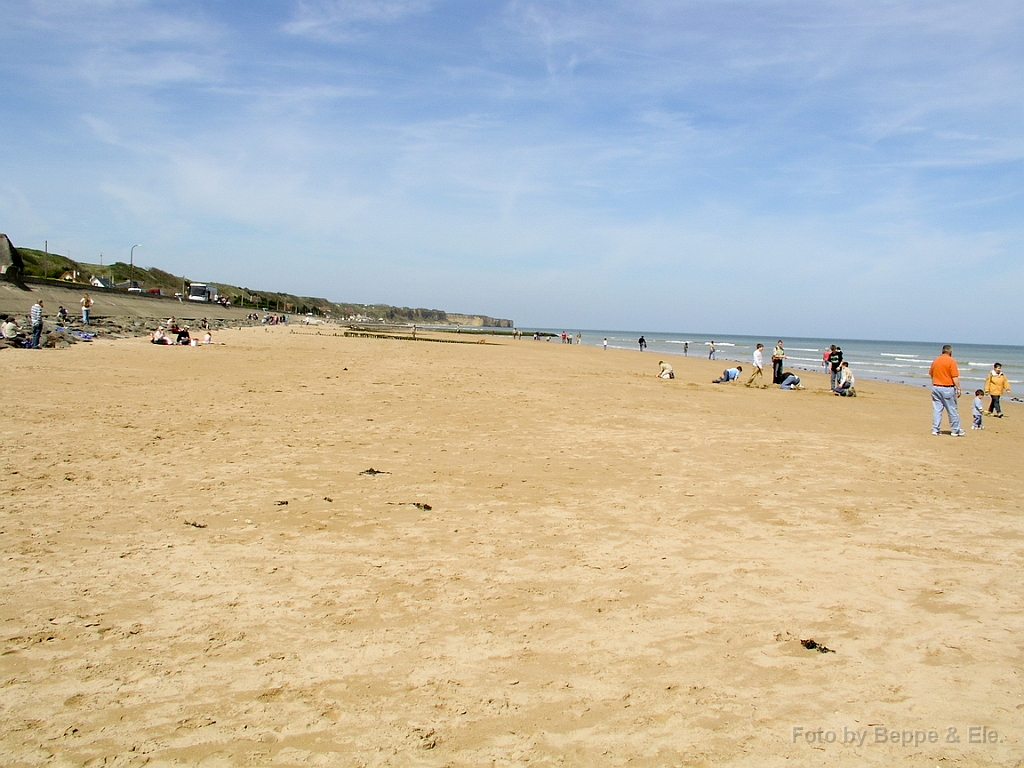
40	264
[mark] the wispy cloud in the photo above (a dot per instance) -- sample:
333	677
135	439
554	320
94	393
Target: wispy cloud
708	148
340	19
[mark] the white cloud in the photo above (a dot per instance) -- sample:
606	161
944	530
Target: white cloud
337	19
705	148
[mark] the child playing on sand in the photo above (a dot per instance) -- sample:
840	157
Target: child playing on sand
729	374
976	408
666	371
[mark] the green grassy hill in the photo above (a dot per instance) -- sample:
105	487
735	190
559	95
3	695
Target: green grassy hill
52	265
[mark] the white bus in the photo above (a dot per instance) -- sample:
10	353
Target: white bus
202	292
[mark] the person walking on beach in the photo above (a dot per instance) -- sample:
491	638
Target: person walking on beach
686	349
36	316
606	344
778	357
86	303
835	362
945	375
977	407
757	377
996	384
643	343
711	350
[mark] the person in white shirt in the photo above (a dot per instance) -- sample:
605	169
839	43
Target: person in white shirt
757	377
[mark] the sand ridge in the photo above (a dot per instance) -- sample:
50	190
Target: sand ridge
614	569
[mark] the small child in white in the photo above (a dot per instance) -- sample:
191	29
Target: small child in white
976	409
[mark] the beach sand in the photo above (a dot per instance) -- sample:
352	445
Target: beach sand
613	569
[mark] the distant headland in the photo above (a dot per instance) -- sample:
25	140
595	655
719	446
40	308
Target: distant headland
52	267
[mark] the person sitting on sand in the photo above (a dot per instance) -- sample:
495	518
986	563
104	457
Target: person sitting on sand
183	337
666	371
790	381
729	374
11	332
845	385
159	337
208	338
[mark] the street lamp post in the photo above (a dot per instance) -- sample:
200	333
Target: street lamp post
131	266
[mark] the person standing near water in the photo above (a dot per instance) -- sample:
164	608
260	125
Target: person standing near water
642	342
995	385
945	390
711	350
778	358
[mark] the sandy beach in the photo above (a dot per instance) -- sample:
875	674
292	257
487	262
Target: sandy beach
559	560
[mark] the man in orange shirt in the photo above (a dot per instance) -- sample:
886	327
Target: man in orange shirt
945	390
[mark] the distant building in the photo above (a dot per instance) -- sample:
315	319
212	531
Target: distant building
101	282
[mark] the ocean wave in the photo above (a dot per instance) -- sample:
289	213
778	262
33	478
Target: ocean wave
866	363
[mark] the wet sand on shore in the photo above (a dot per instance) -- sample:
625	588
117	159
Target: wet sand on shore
560	559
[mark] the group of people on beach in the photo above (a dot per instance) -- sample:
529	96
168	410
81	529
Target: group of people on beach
945	376
181	333
14	336
786	380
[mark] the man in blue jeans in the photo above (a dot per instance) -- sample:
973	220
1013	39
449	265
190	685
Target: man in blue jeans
36	316
945	390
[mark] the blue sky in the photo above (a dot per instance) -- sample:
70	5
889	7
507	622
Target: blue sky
848	169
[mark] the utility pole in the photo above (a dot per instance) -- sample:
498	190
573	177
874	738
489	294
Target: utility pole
46	257
131	267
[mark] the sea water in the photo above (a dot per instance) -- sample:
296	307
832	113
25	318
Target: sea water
903	362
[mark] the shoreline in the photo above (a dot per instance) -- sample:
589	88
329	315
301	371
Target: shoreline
1011	357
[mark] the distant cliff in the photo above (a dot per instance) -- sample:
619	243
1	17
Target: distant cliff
478	321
